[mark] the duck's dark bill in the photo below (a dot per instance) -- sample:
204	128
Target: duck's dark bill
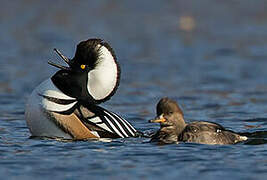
59	66
62	56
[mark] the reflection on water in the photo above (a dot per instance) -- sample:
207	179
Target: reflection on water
210	56
256	141
256	137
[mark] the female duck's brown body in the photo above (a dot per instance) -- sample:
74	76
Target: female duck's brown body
174	129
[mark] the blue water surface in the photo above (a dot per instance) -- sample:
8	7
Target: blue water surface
210	56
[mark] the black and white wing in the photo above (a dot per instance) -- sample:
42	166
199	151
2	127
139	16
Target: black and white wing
110	122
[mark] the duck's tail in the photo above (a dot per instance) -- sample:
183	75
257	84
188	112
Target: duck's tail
243	138
240	138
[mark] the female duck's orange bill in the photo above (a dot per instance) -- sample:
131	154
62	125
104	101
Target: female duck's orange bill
159	119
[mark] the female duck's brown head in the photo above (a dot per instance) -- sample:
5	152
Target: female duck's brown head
170	116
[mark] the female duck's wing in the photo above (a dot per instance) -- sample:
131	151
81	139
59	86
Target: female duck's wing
209	133
199	132
106	121
199	126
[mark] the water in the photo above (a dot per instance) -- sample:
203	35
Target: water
211	56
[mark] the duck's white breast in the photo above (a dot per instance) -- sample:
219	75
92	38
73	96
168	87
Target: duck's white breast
37	112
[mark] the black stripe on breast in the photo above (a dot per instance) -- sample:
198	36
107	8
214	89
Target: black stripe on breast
69	111
58	101
61	102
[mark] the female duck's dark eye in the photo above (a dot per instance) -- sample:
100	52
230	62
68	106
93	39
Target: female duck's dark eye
170	112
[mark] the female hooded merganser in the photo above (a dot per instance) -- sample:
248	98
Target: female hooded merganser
65	105
174	129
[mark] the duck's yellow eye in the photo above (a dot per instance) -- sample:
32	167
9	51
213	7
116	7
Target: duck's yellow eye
83	66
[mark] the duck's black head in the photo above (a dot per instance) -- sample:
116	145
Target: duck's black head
168	113
92	76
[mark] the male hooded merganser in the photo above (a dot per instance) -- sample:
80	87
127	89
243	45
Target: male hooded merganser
174	129
65	105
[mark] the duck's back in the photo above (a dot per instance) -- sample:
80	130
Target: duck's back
209	133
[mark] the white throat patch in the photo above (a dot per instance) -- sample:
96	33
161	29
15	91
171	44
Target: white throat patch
102	80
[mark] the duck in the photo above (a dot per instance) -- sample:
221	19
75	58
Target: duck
66	105
174	129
